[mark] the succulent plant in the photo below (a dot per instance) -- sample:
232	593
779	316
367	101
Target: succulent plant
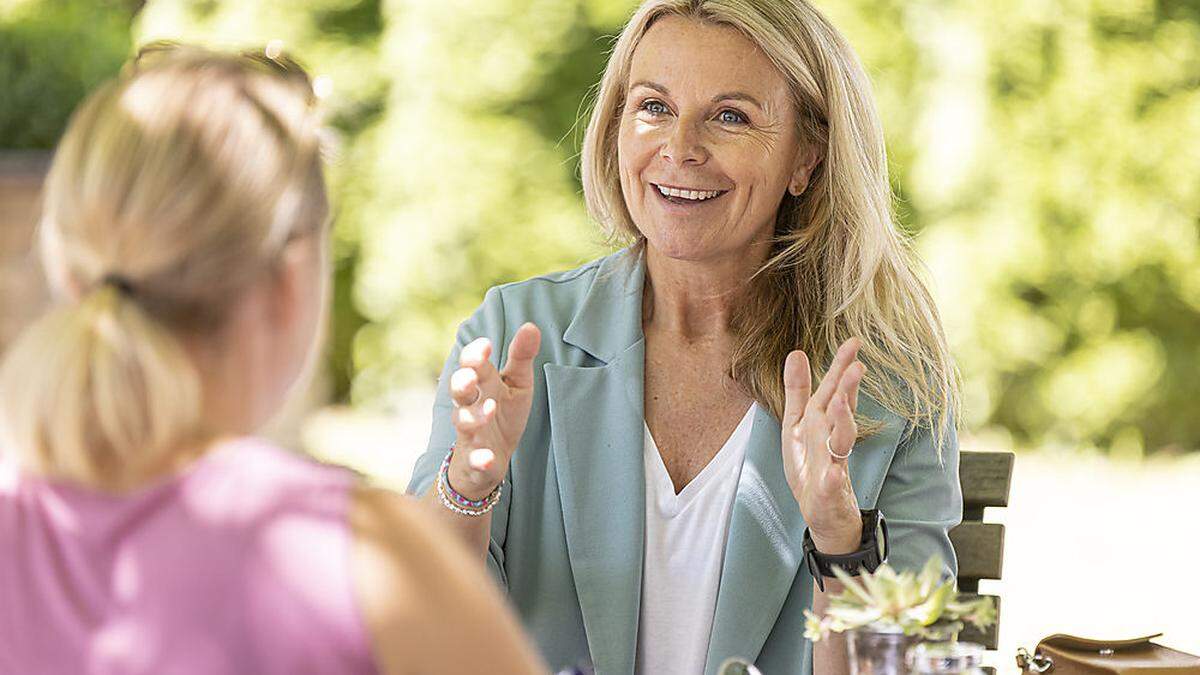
923	604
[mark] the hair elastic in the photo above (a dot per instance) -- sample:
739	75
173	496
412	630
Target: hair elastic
119	282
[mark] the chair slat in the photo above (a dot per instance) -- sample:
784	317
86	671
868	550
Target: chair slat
986	479
989	638
980	550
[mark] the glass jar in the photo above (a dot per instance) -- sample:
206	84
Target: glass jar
875	652
945	658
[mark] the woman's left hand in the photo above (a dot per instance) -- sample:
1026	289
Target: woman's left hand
816	427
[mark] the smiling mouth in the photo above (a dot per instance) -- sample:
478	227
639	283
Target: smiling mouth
677	195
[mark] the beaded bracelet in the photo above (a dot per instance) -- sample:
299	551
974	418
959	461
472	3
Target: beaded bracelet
456	502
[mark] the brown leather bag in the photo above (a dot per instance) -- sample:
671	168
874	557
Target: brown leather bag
1069	655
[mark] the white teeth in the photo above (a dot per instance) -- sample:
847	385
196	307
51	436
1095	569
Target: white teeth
691	195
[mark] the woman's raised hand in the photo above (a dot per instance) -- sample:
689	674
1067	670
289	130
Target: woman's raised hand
818	435
491	408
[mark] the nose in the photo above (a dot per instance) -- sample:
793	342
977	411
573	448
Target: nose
684	145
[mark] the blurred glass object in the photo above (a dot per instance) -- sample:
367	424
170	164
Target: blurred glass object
945	658
877	653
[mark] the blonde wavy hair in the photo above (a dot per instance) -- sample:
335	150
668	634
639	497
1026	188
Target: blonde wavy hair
839	265
173	189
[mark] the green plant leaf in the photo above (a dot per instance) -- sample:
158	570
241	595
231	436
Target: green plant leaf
849	618
876	588
931	609
815	628
853	587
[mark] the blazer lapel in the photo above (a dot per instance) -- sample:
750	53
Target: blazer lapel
763	553
596	422
765	549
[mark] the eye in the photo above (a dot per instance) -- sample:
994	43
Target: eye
729	116
654	107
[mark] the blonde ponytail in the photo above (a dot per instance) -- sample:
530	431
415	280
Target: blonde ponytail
98	388
174	188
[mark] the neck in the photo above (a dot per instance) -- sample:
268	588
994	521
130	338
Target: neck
227	407
694	299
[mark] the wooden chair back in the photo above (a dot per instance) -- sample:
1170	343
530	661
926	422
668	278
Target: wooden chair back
986	479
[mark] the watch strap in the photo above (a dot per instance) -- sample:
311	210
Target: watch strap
867	558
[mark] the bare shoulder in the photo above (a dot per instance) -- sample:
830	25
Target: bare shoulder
398	553
391	521
423	595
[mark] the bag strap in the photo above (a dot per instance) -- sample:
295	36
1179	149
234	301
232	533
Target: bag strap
1037	663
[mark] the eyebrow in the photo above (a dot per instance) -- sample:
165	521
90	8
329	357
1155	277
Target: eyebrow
727	96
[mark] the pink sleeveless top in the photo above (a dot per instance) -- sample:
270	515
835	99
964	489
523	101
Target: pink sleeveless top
239	565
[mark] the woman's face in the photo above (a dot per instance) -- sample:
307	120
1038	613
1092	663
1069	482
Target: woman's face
708	142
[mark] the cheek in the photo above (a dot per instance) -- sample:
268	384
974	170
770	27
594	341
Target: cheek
636	149
765	173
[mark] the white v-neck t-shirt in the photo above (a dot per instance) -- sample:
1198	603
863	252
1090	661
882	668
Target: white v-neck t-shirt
684	553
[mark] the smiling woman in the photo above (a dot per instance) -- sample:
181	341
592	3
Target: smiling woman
707	142
648	471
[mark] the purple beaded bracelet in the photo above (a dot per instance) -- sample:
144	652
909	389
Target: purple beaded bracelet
465	505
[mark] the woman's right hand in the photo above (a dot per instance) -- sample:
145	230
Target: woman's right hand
491	408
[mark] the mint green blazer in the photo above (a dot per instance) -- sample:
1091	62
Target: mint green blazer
567	535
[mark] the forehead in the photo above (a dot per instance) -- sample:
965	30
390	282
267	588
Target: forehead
682	52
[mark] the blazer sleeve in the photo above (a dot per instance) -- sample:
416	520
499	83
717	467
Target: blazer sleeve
487	321
921	499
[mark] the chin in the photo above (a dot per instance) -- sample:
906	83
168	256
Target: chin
677	248
680	243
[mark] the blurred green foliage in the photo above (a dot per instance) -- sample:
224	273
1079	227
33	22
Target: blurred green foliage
1046	152
339	40
1049	154
52	53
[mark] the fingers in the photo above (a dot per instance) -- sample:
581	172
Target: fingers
464	387
476	465
829	384
797	386
469	420
848	387
476	356
844	432
518	372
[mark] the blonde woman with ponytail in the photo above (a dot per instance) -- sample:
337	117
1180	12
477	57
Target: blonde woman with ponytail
143	528
735	401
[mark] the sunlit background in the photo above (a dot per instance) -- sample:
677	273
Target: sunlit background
1045	154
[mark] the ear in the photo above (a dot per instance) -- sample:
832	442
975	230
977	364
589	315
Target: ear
806	162
297	270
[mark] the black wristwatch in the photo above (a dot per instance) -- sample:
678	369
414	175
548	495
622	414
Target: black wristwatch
872	551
